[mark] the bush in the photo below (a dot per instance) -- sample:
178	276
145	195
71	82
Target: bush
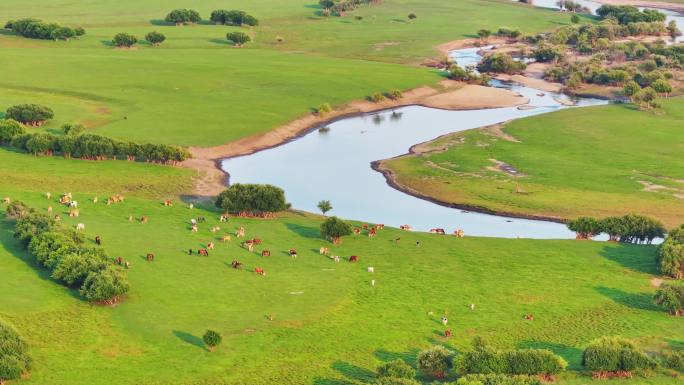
613	354
124	40
670	296
212	339
497	379
395	381
30	114
14	357
396	369
9	128
105	286
324	109
155	38
674	360
252	199
183	16
73	268
435	361
72	129
17	209
670	255
585	227
238	38
334	229
500	63
395	94
485	360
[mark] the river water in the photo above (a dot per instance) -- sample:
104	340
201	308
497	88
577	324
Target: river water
336	165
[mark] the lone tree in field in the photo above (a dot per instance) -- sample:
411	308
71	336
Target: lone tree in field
9	128
212	339
183	16
670	296
124	40
334	229
14	358
435	361
238	38
324	206
30	114
252	200
412	16
155	38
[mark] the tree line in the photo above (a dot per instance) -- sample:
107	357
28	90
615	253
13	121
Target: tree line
37	29
630	228
63	252
339	7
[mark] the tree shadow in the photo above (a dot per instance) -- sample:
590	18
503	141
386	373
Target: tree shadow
400	21
161	22
631	257
7	32
305	231
641	301
571	354
409	357
220	42
314	6
331	381
353	372
107	43
190	339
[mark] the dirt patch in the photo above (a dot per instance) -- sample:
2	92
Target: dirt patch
505	168
496	130
445	48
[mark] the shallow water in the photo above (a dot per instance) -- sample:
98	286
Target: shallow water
335	165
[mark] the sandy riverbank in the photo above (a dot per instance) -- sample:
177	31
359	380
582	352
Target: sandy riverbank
448	95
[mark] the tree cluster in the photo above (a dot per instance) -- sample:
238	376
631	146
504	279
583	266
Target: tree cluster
233	17
30	114
62	251
498	379
501	63
88	146
340	7
671	254
615	354
626	14
484	359
468	75
15	360
36	29
183	16
630	228
252	200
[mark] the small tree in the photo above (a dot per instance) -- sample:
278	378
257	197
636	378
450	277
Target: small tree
396	369
671	254
672	30
252	199
155	38
574	19
212	339
435	361
124	40
9	128
585	227
484	34
671	298
14	358
105	286
238	38
324	109
662	86
630	88
334	229
183	16
412	16
72	129
324	206
30	114
614	354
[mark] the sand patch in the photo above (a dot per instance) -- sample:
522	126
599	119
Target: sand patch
532	82
496	130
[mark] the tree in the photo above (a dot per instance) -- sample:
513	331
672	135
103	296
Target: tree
183	16
500	63
670	257
662	86
124	40
14	357
324	109
395	381
212	339
613	354
631	88
671	298
72	129
412	16
324	206
585	227
396	369
435	361
334	229
238	38
484	34
105	286
73	268
673	30
155	38
252	199
9	128
574	19
30	114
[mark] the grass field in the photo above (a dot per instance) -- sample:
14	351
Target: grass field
330	326
592	161
197	90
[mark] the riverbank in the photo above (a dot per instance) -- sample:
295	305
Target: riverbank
446	95
676	7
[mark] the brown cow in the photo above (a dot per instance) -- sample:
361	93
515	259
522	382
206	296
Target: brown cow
372	232
118	260
437	231
357	231
143	219
259	271
380	226
293	253
257	241
236	264
203	252
150	257
98	240
168	203
353	258
266	253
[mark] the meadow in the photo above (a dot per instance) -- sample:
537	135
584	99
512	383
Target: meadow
197	90
598	161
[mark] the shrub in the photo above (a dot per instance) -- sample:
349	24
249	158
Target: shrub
670	255
234	17
17	209
41	144
252	199
395	381
212	339
30	114
124	40
377	97
395	94
670	296
73	268
396	369
585	227
324	109
435	361
14	357
155	38
630	88
613	354
485	360
183	16
9	128
238	38
674	360
500	63
72	129
548	53
105	286
497	379
334	229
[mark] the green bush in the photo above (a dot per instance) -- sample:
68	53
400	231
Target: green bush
9	128
612	354
377	97
183	16
500	63
30	114
238	38
585	227
486	360
397	369
324	109
36	29
14	357
395	381
212	339
17	209
670	296
670	255
252	199
497	379
234	17
435	361
124	40
105	286
155	38
674	360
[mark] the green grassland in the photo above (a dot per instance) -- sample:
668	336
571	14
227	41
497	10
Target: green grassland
330	325
590	161
197	90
